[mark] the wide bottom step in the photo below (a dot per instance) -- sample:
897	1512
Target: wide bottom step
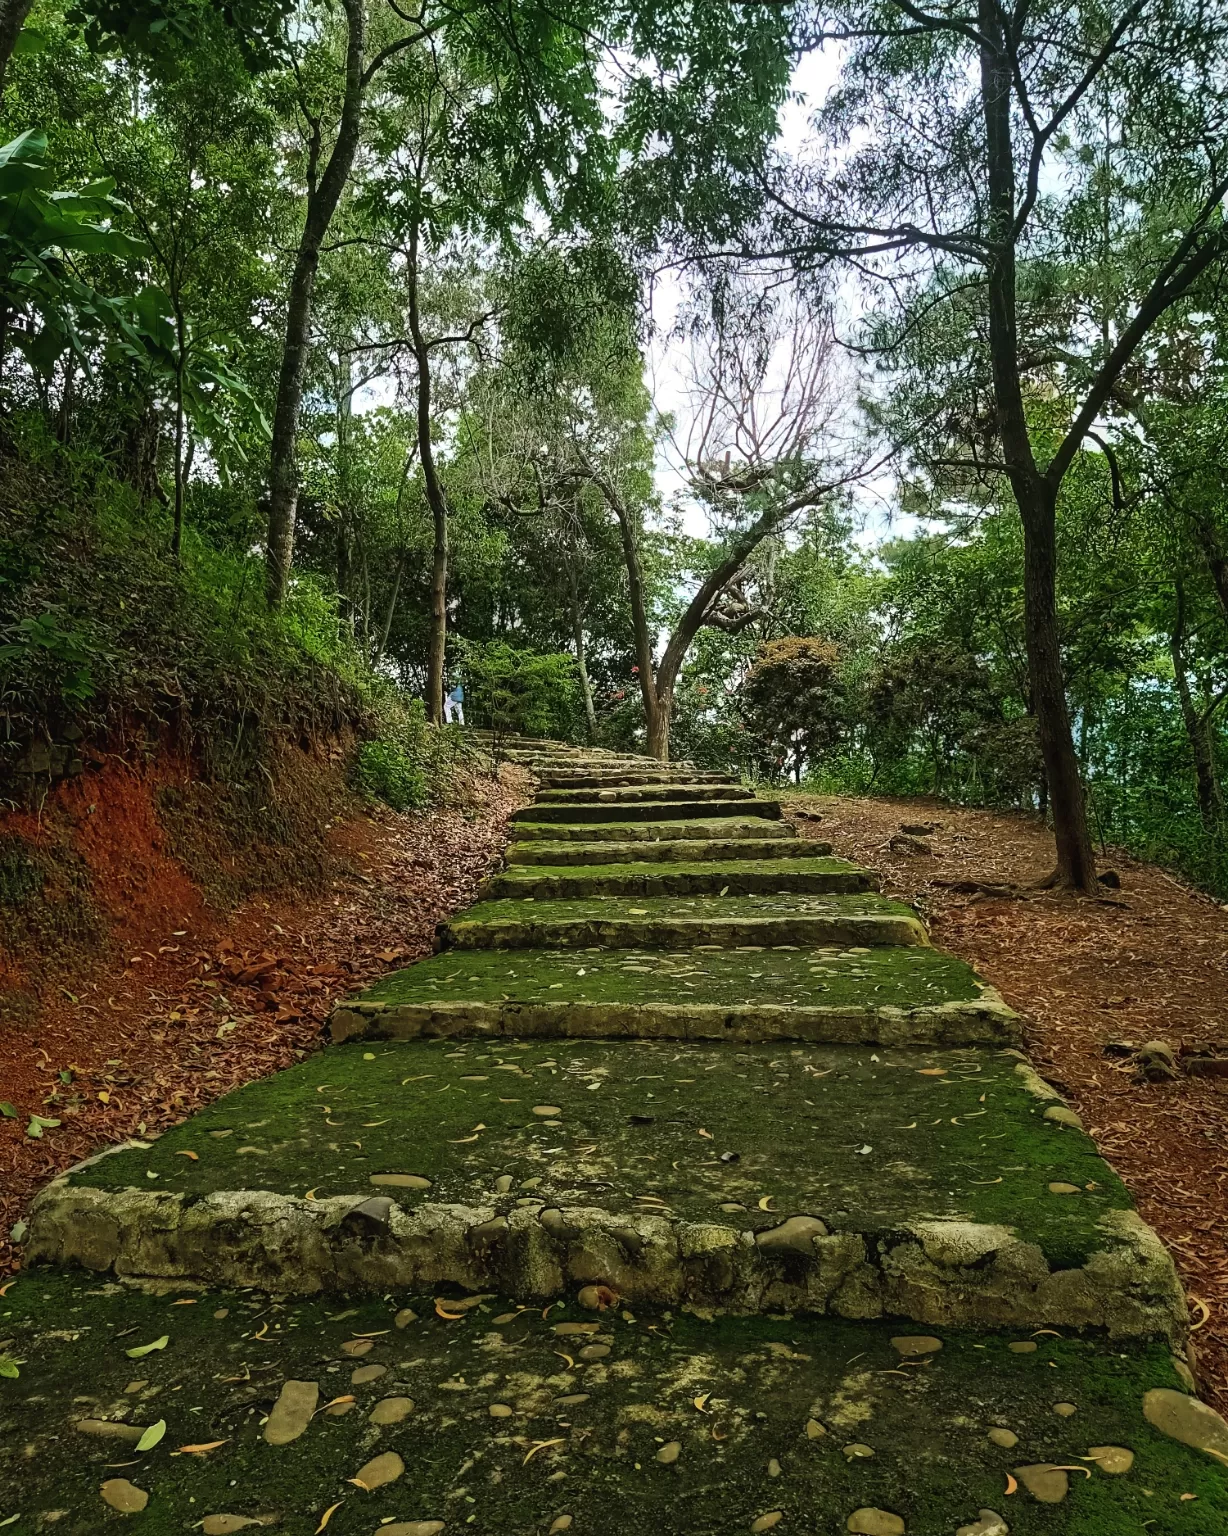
484	1415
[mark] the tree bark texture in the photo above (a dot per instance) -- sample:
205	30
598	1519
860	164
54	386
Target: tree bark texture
322	200
1035	496
435	497
1197	729
13	15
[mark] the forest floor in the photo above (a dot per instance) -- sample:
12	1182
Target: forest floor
173	1019
1149	963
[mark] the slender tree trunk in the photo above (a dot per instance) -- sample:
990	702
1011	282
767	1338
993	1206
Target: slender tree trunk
1197	728
180	363
13	15
322	200
435	497
1076	859
1035	495
657	730
577	622
390	611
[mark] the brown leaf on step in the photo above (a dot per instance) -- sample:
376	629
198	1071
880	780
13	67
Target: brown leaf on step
200	1450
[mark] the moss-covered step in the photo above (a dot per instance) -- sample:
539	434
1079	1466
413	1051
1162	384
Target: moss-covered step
931	1185
637	794
491	1418
649	831
902	995
659	850
664	810
682	923
733	877
587	778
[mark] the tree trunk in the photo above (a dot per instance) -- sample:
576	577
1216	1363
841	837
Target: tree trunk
1197	728
577	621
1035	494
657	731
322	200
435	497
13	15
180	364
1076	859
659	723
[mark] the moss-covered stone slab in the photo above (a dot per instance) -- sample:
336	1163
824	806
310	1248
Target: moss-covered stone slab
688	792
611	778
681	850
899	995
680	923
752	828
668	1173
664	810
516	1426
733	877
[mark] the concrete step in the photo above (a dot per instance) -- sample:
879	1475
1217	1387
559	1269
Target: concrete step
583	778
923	1184
734	877
701	829
666	923
587	1417
681	850
642	794
664	810
904	994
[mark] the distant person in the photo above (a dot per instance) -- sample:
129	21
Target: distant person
454	706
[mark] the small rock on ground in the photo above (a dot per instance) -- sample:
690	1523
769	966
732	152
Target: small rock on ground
380	1470
1047	1483
292	1411
874	1522
988	1523
124	1497
1184	1418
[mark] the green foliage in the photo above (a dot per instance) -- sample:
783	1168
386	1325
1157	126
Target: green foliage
406	763
793	702
520	691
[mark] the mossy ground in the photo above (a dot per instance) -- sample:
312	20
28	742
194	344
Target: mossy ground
582	1436
726	877
865	1140
679	922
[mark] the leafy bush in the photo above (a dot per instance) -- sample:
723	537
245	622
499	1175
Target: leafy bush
519	691
406	763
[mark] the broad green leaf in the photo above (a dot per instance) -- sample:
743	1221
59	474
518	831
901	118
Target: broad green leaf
151	1436
6	1109
8	1367
148	1349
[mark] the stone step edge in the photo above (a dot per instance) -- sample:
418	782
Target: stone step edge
985	1020
939	1273
698	850
677	932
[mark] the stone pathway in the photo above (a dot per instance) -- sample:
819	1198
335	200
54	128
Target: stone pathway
687	1182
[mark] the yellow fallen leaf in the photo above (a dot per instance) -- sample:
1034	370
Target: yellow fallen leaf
1086	1471
451	1317
766	1203
370	1124
932	1071
199	1450
328	1515
988	1181
1186	1496
358	1483
7	1287
1206	1313
1011	1484
311	1193
462	1141
571	1364
184	1301
260	1333
195	1156
699	1401
375	1333
332	1403
1046	1333
541	1445
104	1097
708	1134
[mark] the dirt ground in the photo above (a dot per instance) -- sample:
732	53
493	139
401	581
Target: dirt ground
1151	963
192	1001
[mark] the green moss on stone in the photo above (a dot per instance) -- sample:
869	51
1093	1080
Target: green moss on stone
866	1144
600	1423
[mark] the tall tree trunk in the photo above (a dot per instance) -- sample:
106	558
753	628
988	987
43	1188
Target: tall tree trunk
577	623
180	364
13	15
322	200
435	498
390	611
657	731
1035	495
1197	727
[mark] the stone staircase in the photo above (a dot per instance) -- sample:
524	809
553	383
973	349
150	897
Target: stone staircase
719	1123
